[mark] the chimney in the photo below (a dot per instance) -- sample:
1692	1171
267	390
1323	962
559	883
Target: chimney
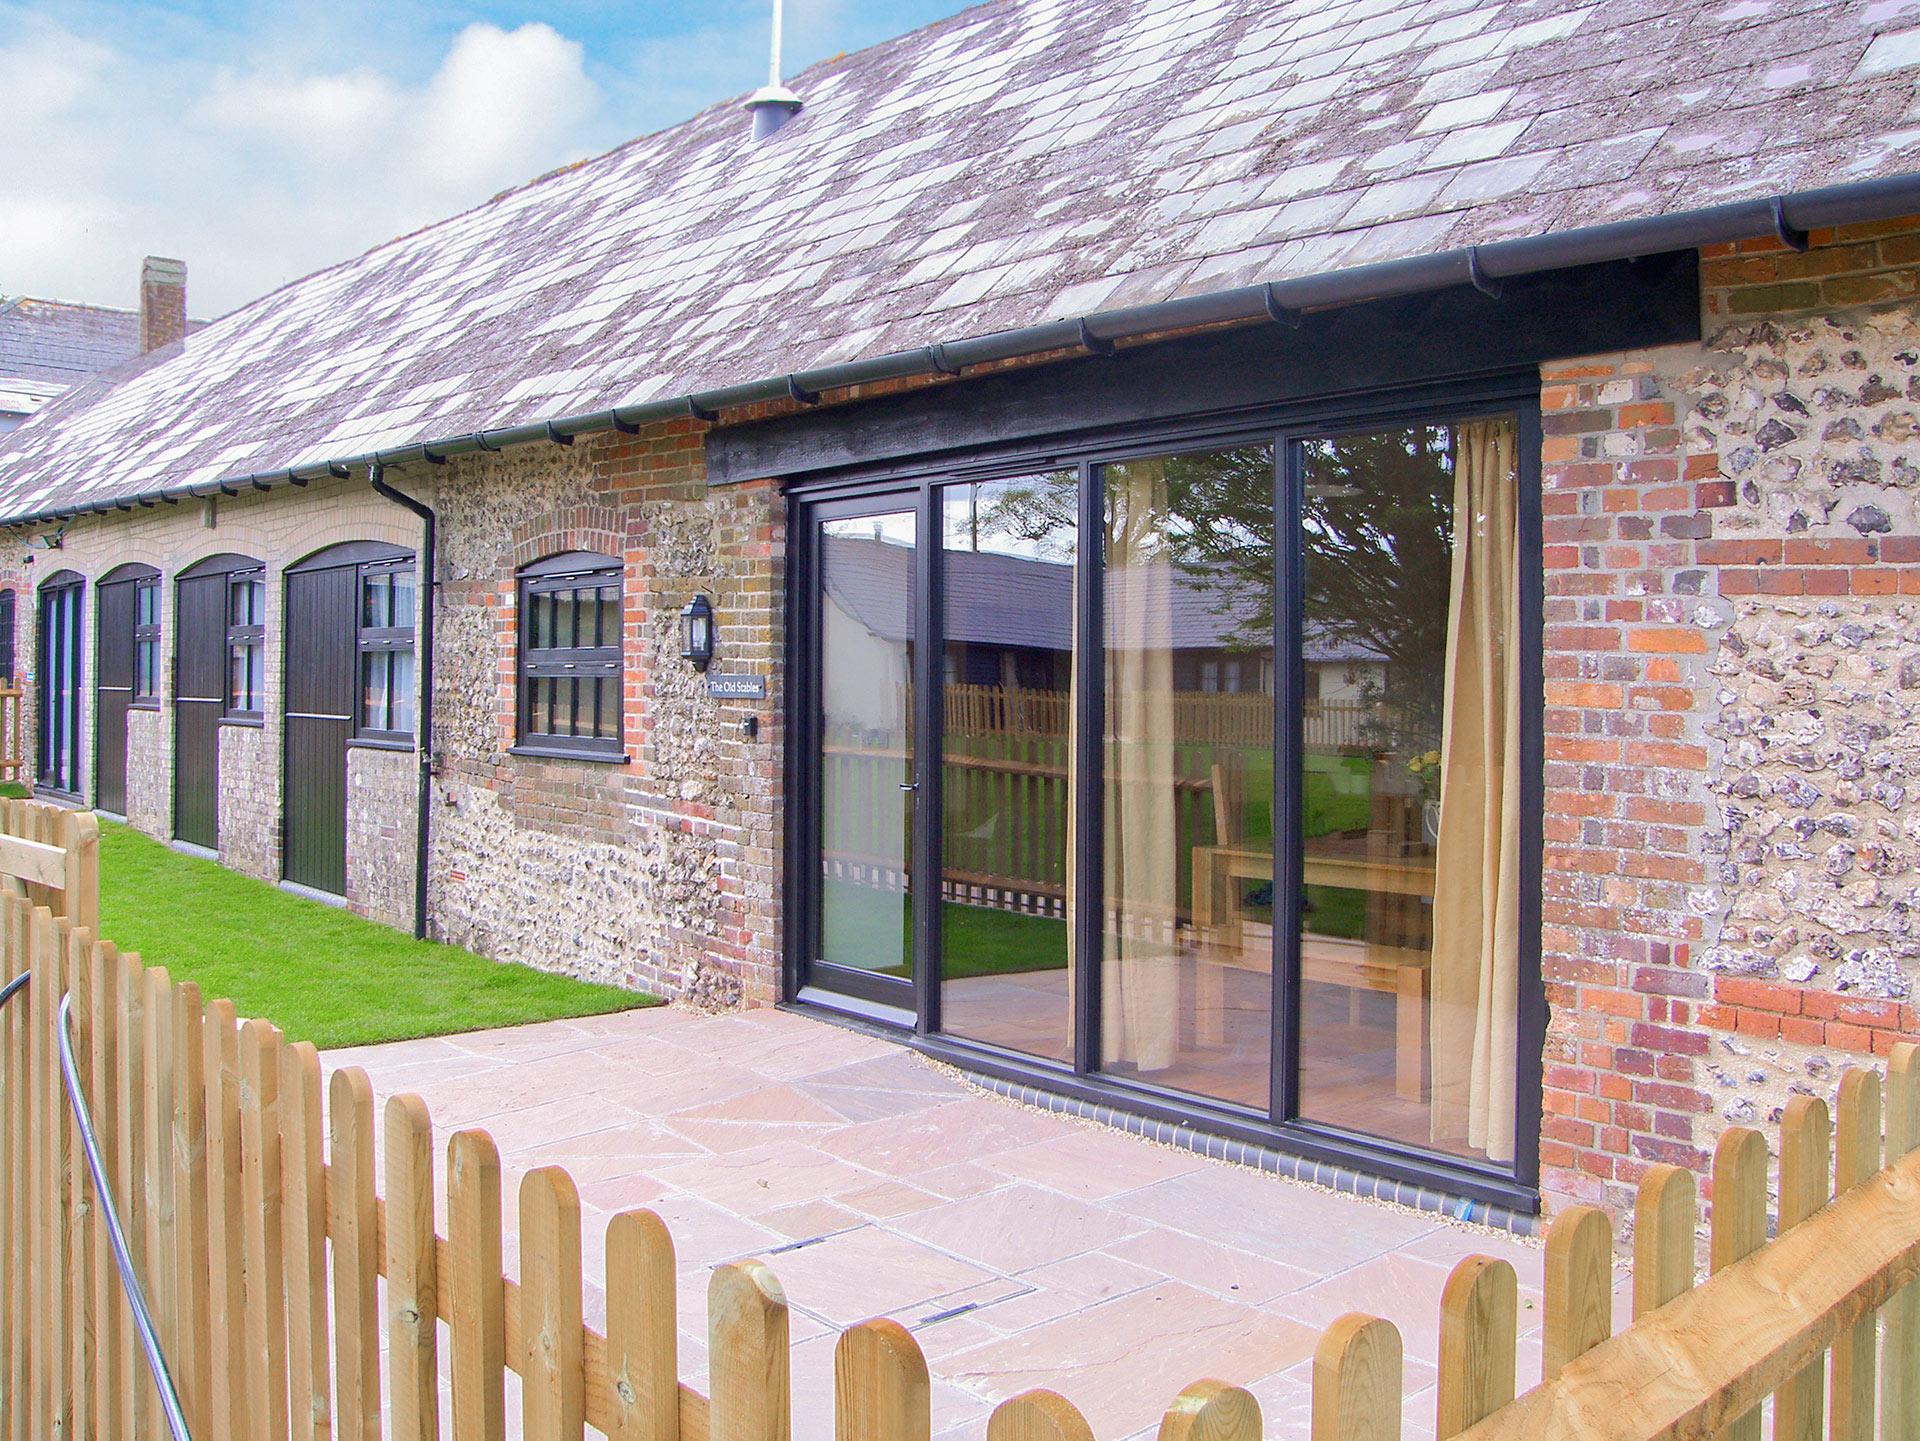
163	302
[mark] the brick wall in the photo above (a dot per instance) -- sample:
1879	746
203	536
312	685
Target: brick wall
1732	708
659	870
277	528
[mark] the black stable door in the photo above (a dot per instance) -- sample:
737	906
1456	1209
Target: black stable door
200	700
113	694
60	703
321	618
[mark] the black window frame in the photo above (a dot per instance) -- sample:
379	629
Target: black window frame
146	640
383	640
569	572
252	635
1284	425
9	637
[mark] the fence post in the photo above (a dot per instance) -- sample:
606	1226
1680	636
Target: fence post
83	1204
747	1360
1038	1416
261	1196
80	839
1479	1319
1856	1156
1212	1411
130	1100
1739	1224
186	1147
49	1212
413	1307
1798	1406
880	1385
1664	1217
643	1363
553	1370
160	1206
477	1310
304	1219
350	1224
1579	1287
231	1413
1900	1366
1356	1381
110	1373
16	1166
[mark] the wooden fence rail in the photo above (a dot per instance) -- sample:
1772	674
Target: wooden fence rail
262	1244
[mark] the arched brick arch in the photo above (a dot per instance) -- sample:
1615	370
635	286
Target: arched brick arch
578	527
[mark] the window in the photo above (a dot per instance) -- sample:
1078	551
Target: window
246	642
6	636
386	651
570	655
146	641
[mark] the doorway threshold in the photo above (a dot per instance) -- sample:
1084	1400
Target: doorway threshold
312	893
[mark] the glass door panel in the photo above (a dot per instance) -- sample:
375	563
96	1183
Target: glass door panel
866	791
1408	948
1186	985
1009	552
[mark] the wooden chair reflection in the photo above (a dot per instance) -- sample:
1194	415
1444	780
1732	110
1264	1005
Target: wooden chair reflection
1395	958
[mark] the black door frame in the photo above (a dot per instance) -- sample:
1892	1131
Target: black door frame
914	482
113	656
872	997
214	570
357	558
61	652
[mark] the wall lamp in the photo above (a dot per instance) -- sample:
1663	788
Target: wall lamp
47	540
696	632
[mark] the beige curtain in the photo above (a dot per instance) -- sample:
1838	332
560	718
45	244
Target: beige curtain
1140	977
1476	931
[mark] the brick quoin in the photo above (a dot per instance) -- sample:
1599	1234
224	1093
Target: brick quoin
1661	549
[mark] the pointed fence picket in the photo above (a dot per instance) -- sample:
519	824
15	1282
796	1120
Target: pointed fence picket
262	1244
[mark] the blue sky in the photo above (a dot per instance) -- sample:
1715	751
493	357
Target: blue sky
260	141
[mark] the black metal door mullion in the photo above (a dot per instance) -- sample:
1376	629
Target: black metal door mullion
928	747
1089	722
1289	557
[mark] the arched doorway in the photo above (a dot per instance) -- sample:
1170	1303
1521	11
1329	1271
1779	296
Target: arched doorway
218	669
350	680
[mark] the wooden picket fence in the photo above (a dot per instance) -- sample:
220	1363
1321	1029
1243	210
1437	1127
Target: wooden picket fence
254	1222
51	855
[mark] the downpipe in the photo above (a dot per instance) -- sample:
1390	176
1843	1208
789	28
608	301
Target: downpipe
429	590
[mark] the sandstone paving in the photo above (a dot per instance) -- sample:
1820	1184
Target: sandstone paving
1022	1248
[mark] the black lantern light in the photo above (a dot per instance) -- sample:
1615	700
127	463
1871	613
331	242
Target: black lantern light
696	632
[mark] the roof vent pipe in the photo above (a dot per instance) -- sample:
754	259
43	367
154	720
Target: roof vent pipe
772	105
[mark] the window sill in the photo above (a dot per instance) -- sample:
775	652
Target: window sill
378	743
147	703
245	722
559	753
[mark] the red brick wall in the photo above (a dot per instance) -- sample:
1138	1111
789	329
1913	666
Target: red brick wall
1714	519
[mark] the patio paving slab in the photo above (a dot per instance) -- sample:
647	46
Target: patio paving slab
1022	1248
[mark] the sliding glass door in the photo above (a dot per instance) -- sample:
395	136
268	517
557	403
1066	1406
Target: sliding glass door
1209	759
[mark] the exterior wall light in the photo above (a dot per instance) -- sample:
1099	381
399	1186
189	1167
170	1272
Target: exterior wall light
696	632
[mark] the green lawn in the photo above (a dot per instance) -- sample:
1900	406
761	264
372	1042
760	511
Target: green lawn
319	973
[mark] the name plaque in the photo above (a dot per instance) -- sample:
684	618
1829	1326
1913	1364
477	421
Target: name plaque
737	687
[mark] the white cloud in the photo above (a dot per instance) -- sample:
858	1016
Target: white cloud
257	174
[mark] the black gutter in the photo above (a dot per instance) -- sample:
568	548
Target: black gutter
1788	216
429	572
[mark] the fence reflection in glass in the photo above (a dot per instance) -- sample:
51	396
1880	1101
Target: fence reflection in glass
1009	554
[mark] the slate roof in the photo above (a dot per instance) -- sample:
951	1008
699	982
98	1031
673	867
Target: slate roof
1022	161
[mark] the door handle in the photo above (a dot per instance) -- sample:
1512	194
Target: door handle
909	785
